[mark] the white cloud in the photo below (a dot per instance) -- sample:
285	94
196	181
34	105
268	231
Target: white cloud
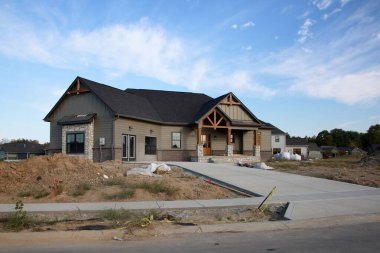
304	15
344	2
287	8
322	4
140	48
328	15
248	24
247	48
234	26
307	50
304	32
347	88
342	64
242	81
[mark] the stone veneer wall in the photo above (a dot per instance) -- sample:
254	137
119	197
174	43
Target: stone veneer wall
88	130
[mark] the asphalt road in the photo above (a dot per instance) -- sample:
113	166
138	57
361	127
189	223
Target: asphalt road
348	238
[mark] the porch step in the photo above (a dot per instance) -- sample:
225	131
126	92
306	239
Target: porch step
226	159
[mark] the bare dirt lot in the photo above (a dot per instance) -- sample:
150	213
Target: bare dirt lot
61	178
362	171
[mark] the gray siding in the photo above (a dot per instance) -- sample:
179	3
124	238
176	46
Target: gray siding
188	137
83	104
235	112
140	130
266	140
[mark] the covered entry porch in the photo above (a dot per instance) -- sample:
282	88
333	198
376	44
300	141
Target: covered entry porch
219	139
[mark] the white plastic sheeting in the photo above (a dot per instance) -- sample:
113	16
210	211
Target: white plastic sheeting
263	166
287	156
149	170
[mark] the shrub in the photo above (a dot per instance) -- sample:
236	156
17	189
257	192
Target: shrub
114	181
18	220
123	194
157	187
80	189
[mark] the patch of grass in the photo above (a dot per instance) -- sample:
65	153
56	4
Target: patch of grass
80	189
19	220
40	194
123	194
123	218
157	187
114	181
36	193
24	194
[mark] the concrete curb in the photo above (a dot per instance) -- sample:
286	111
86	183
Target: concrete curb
289	211
107	235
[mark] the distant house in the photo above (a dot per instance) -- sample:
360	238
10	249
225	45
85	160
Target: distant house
373	148
344	151
100	122
19	151
314	151
298	146
358	152
328	151
278	140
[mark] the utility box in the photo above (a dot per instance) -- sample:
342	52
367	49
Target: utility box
102	141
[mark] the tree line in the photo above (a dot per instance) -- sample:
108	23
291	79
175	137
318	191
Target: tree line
341	138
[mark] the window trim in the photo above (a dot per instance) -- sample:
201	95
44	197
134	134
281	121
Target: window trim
75	141
276	138
149	147
173	146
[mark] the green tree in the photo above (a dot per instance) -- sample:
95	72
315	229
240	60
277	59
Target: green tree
324	138
340	138
22	140
372	136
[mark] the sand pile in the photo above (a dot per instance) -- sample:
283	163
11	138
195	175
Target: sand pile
49	172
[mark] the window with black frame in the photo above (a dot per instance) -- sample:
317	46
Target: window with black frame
75	143
150	145
176	140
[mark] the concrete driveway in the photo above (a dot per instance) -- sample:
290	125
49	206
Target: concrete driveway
309	197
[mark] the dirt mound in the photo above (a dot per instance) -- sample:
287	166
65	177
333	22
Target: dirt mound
61	178
372	160
49	174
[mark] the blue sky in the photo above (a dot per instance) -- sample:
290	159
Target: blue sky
304	66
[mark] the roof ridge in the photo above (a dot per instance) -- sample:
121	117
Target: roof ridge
168	91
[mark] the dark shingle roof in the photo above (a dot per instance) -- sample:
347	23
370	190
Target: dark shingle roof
23	148
296	141
76	119
123	103
313	147
166	107
171	106
275	130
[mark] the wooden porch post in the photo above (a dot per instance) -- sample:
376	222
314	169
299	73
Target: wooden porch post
199	133
229	136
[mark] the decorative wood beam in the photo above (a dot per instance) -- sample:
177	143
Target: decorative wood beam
77	91
217	123
205	126
208	117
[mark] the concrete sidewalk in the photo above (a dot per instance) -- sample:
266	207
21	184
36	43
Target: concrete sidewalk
309	197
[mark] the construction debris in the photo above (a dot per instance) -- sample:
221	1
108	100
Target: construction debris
287	156
261	165
151	170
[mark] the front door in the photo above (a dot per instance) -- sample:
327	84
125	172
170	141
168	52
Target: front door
206	142
129	147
